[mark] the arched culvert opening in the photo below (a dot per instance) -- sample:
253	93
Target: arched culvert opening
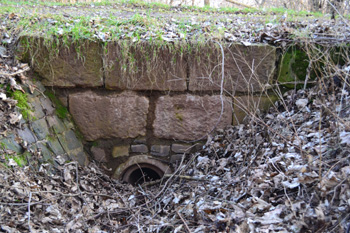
140	173
140	169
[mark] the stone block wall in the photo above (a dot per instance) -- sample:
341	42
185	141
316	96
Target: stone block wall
54	138
150	99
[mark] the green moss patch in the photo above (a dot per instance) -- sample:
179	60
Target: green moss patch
22	103
293	67
61	111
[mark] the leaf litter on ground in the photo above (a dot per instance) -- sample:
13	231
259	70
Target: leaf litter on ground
287	174
284	171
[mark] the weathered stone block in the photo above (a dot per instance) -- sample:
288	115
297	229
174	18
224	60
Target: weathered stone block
180	148
120	151
38	111
293	67
244	105
79	156
72	141
46	154
107	116
176	158
140	140
160	150
26	134
99	154
64	65
10	143
40	128
47	105
145	66
55	146
56	124
246	69
188	117
139	148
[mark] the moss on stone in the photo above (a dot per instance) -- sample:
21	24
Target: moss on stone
21	159
22	103
293	67
179	116
61	111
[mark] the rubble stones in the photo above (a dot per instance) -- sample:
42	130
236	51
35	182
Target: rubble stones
175	158
40	128
56	124
120	151
72	141
106	116
189	117
139	148
26	134
180	148
160	150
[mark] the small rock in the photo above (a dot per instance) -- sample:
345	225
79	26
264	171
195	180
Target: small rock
139	149
160	150
119	151
180	148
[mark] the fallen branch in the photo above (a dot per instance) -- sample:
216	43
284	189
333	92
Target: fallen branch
16	73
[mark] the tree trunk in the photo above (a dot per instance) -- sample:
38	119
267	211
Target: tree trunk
334	7
206	2
316	5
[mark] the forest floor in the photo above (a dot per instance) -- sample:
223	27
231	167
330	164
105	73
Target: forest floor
286	170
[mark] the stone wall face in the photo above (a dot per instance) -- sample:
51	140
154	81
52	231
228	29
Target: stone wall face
109	116
144	68
144	99
190	117
61	66
52	136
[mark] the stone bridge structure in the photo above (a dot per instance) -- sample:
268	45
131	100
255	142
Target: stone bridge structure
146	103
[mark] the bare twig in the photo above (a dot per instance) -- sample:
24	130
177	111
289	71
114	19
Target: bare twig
30	198
173	175
184	222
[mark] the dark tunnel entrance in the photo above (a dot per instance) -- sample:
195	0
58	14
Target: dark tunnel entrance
141	173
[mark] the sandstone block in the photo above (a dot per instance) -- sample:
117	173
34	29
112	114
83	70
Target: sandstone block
247	68
145	66
160	150
252	105
120	151
188	117
109	116
63	65
139	149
